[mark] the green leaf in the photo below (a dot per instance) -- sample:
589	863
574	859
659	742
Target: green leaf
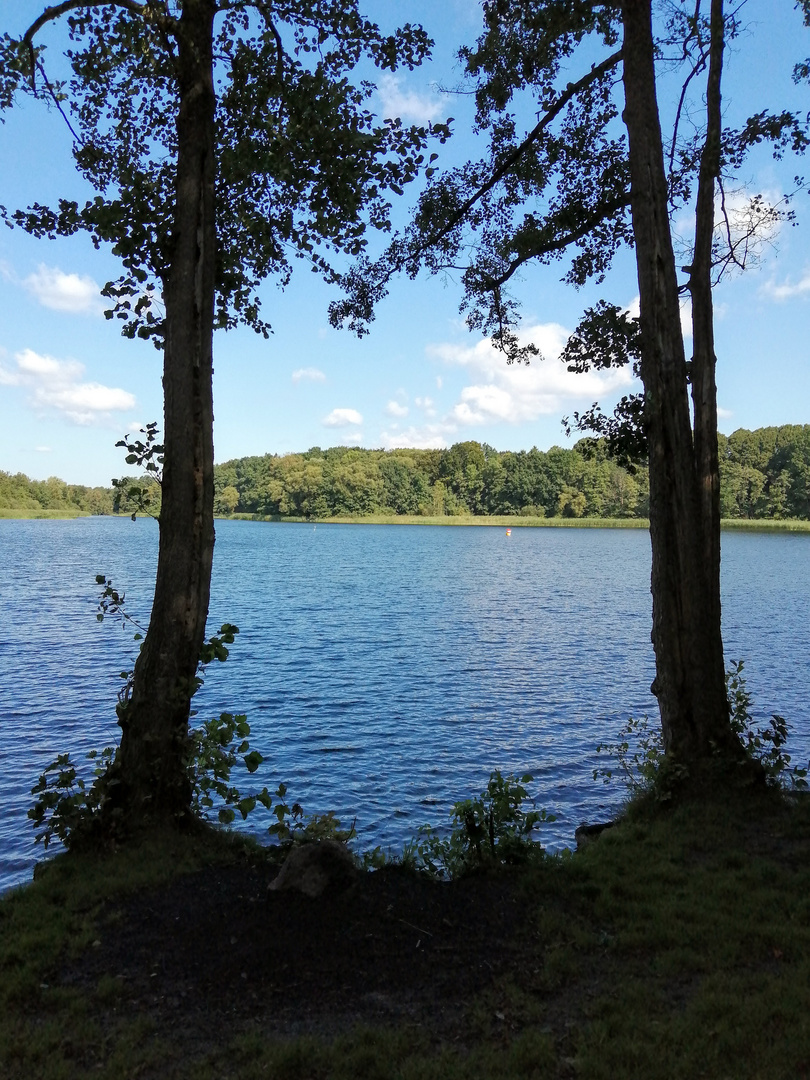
253	760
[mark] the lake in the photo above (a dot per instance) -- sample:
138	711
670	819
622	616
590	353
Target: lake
385	670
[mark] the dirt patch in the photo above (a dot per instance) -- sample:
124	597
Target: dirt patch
393	947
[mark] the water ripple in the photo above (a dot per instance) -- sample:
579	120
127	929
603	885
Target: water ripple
385	671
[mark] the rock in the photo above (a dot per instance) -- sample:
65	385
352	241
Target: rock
586	834
313	868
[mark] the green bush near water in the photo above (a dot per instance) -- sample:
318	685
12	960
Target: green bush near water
677	946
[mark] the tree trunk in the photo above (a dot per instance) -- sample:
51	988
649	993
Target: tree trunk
689	682
152	770
704	388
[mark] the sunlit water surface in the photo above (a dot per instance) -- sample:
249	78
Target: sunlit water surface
385	670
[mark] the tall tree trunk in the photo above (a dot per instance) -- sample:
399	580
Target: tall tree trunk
704	388
689	682
152	774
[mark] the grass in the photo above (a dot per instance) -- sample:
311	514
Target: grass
766	525
519	521
34	514
676	946
498	521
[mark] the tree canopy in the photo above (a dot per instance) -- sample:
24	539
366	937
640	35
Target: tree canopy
594	173
224	139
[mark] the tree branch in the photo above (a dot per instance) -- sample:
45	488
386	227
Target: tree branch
56	100
561	242
506	164
57	10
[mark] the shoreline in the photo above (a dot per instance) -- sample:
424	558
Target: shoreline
510	522
480	520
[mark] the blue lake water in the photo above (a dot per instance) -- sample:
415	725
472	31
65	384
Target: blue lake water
385	670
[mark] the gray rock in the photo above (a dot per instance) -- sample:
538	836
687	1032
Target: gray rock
586	834
314	868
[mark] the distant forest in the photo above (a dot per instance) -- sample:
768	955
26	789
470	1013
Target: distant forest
763	474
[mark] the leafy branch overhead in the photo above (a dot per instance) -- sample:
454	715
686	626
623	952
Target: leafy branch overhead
303	165
561	188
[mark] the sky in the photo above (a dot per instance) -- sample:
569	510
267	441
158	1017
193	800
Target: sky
71	386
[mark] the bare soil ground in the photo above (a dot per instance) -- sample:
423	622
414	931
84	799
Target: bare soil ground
216	948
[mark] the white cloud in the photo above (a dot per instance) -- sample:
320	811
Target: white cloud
745	222
65	292
56	384
43	449
428	437
393	408
342	418
353	438
312	374
439	382
517	393
787	290
724	414
407	104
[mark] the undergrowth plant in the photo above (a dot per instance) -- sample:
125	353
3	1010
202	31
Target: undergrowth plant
492	829
638	755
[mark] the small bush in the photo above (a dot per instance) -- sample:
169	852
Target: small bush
639	752
493	829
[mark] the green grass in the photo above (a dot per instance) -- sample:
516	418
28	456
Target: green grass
518	521
33	514
766	525
497	521
677	946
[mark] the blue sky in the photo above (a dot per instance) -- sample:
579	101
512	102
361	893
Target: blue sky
70	386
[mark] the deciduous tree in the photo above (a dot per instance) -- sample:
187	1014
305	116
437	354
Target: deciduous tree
580	182
224	139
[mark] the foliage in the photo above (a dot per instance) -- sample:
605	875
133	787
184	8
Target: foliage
213	750
643	767
147	454
303	165
292	827
763	474
765	744
637	755
492	829
67	802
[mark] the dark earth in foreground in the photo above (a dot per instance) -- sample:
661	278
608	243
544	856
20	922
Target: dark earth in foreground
215	947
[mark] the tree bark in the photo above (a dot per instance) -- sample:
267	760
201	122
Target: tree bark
152	773
686	635
704	361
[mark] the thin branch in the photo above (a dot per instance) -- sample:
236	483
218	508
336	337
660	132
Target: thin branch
57	10
50	14
698	67
561	242
56	101
506	164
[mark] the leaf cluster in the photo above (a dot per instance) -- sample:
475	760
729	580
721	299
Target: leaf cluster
67	802
303	165
147	454
490	830
645	769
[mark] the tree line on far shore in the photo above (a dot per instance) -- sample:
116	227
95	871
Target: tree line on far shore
763	474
